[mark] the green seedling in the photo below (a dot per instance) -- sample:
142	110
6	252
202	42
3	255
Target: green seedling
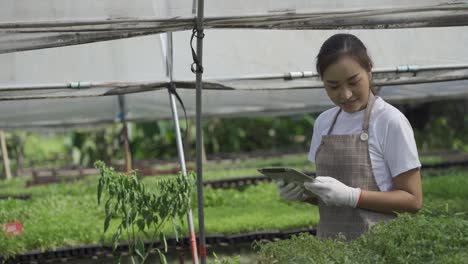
140	210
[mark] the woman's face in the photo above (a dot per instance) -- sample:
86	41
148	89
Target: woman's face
347	84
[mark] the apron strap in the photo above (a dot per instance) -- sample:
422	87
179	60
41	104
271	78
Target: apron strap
365	126
334	121
370	104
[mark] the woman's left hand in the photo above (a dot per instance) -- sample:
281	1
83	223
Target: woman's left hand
333	192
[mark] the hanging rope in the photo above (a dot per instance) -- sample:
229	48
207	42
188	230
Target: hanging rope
196	66
172	89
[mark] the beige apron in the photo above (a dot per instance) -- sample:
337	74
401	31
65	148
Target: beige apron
346	158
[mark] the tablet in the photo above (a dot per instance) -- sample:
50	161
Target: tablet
286	174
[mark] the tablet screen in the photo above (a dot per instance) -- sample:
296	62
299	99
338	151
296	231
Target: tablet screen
286	174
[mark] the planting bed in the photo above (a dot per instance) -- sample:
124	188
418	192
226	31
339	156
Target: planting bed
66	215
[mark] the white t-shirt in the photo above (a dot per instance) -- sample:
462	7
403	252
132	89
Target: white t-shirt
392	147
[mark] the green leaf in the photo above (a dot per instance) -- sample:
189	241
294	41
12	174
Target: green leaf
107	222
99	191
149	220
141	224
107	206
162	258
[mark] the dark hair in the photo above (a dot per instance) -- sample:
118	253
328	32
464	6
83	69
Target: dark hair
340	45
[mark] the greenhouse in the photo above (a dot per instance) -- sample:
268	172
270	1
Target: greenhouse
211	92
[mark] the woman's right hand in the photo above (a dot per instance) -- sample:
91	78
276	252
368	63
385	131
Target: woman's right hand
291	191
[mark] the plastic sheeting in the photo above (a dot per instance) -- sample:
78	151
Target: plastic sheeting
244	69
46	10
149	106
28	25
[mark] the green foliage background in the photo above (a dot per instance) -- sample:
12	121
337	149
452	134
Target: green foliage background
437	126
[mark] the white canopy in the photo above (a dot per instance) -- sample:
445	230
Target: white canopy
419	48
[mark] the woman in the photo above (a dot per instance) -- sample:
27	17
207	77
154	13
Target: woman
364	149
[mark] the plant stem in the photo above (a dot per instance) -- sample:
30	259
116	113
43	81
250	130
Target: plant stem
154	236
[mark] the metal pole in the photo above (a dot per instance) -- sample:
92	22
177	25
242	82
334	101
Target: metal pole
180	147
6	161
180	151
154	85
199	87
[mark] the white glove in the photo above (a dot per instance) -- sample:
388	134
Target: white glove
333	192
291	191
